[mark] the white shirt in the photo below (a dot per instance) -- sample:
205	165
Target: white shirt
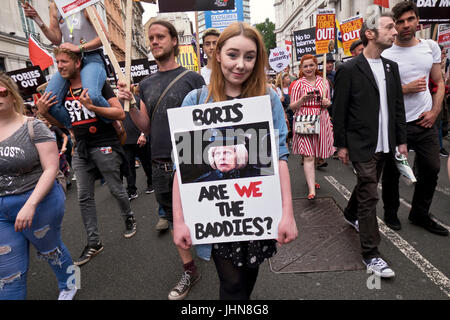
415	62
383	119
206	74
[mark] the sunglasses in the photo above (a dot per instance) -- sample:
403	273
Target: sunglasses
3	92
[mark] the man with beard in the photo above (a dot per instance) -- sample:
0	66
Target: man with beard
368	87
159	92
98	149
418	61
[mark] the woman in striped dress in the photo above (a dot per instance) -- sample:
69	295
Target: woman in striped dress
312	146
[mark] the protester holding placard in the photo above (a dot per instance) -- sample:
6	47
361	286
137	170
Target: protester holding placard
77	34
307	101
238	72
32	202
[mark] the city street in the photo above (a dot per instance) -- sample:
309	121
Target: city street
147	266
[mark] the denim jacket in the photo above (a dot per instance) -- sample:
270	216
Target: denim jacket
279	124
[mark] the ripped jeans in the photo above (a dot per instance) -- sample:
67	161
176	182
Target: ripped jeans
44	234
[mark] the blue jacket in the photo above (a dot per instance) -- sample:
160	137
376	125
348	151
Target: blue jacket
281	131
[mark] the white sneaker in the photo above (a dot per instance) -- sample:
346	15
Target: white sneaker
354	224
379	267
67	294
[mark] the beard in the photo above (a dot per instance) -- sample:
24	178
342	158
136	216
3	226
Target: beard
165	55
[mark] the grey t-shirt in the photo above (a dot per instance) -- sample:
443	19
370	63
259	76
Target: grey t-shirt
20	168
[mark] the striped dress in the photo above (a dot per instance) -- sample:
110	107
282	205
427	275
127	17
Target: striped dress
321	145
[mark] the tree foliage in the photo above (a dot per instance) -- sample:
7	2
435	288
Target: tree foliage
267	29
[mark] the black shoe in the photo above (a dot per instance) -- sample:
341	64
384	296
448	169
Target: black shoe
430	225
443	153
130	227
150	190
132	196
393	223
88	253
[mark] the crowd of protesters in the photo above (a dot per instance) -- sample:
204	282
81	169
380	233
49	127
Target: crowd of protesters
76	127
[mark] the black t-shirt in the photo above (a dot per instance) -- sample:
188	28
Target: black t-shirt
151	89
132	131
59	136
85	123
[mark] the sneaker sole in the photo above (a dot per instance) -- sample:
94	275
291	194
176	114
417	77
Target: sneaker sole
351	224
381	275
82	262
181	297
129	235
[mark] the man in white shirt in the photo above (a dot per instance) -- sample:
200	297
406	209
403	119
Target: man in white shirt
418	61
209	44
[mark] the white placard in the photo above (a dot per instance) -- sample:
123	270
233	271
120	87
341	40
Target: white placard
69	7
227	201
279	59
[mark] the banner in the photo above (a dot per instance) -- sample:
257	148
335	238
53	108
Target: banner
434	11
227	173
69	7
194	5
325	30
187	58
305	42
28	79
350	32
382	3
279	59
223	18
288	45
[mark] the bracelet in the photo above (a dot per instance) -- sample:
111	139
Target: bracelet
81	47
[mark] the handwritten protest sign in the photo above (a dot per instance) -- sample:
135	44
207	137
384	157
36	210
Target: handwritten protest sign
69	7
227	170
325	31
350	32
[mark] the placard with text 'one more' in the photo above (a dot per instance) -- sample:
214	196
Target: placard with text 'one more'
227	167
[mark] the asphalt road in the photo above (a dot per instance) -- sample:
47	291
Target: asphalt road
147	266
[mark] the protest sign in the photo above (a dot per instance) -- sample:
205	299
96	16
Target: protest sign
350	32
305	42
187	58
325	30
279	59
69	7
227	169
195	5
444	36
223	18
434	11
28	79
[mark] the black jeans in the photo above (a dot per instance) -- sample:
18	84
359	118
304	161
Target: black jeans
143	153
162	175
362	205
425	143
236	283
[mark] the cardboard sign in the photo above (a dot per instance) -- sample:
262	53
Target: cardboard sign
187	58
433	11
305	42
325	31
69	7
28	79
350	32
279	59
444	36
223	18
227	165
195	5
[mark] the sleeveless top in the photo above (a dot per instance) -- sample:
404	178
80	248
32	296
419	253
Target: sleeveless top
79	27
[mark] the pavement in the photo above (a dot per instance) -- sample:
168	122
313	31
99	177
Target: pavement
147	266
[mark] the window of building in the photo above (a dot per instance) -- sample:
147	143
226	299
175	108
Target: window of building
27	24
2	64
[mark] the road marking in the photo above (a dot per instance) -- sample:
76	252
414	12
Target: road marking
436	276
408	205
444	190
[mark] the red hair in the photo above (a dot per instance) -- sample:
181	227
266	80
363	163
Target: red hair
308	57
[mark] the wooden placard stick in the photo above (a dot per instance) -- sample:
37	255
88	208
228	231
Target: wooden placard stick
128	36
324	93
106	45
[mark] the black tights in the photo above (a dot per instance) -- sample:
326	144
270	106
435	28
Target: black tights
235	283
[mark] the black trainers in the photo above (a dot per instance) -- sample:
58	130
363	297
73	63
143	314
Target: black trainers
443	153
132	196
393	223
431	225
150	190
88	253
130	227
186	282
